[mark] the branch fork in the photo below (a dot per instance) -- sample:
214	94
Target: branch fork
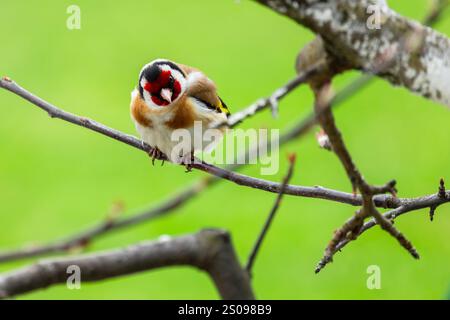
352	228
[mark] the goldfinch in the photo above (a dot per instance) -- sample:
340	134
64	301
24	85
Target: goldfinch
172	96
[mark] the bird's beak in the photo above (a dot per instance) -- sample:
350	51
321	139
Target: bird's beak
167	94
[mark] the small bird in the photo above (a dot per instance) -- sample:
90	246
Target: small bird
172	96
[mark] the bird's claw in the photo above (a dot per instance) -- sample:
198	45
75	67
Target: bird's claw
188	161
155	153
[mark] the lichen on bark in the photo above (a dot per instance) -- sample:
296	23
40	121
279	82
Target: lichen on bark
400	50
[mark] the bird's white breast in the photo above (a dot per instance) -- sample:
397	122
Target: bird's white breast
167	140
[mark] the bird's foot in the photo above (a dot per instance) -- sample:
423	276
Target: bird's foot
188	160
155	153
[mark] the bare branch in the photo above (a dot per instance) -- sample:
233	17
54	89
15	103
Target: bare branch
435	12
432	201
237	178
271	101
273	211
240	179
351	228
207	250
441	192
84	237
344	27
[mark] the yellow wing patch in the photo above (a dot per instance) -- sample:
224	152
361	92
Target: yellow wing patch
223	107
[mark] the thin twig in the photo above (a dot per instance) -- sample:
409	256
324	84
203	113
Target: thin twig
441	190
84	237
431	201
351	228
271	101
237	178
436	11
273	211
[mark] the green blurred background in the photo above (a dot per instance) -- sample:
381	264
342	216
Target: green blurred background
57	178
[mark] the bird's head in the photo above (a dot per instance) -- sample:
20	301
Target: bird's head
161	83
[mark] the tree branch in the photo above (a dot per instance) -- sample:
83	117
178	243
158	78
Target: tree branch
237	178
207	250
343	25
271	101
432	202
84	237
240	179
352	228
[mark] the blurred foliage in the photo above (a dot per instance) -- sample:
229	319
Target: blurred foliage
56	178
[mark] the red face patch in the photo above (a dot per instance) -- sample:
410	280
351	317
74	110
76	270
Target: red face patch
158	101
164	80
176	89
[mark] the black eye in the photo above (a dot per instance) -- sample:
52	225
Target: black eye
171	82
